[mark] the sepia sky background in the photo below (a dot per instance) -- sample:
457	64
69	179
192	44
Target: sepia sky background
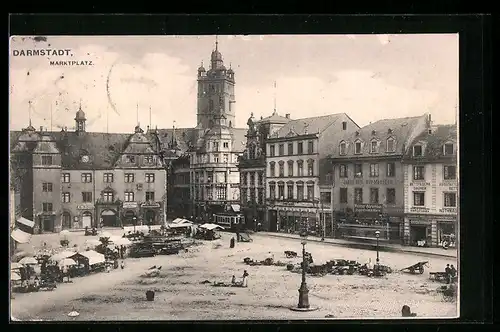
369	77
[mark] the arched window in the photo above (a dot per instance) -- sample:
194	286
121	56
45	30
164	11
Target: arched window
373	146
358	147
343	148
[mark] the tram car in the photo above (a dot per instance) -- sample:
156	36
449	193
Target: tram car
230	222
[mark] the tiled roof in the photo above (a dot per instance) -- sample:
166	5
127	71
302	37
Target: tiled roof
306	126
403	130
274	118
434	143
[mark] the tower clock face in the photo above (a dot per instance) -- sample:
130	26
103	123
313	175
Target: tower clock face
85	159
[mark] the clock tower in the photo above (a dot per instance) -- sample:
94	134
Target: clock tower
215	92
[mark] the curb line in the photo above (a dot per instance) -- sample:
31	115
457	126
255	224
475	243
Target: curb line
366	246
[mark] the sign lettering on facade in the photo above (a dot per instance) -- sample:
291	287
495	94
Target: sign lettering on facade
150	205
129	205
419	209
420	184
420	188
84	207
448	210
368	208
367	182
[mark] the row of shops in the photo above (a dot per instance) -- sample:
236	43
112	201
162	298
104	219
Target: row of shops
362	222
105	214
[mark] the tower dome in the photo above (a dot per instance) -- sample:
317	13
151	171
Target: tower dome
80	115
201	68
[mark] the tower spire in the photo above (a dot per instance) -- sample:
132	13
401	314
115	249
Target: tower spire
216	42
150	117
29	111
137	113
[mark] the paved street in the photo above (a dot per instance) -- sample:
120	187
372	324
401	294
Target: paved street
120	295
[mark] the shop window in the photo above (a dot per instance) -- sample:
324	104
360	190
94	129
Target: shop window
418	199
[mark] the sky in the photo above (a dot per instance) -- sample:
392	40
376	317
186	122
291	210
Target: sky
369	77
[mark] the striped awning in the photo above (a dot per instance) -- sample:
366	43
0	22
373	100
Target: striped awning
19	236
26	222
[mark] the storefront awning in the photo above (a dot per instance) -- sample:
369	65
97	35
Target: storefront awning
26	222
20	237
236	208
211	226
94	257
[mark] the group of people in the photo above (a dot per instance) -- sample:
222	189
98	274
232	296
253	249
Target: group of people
451	273
243	283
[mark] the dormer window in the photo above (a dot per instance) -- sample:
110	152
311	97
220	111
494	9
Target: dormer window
374	147
148	159
357	147
343	148
390	144
448	149
374	132
389	131
417	151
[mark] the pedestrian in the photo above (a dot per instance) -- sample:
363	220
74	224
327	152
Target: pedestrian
447	271
238	236
231	243
245	279
65	272
453	273
122	265
233	280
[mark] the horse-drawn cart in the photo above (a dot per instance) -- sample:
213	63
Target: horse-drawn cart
418	267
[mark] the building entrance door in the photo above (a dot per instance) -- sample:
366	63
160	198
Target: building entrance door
109	218
48	224
418	233
149	217
87	219
273	221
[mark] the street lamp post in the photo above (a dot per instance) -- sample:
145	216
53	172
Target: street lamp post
377	235
303	304
134	219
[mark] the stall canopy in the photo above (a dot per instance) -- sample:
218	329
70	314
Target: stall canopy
93	256
181	225
62	255
211	227
26	222
181	221
120	241
20	237
236	208
142	228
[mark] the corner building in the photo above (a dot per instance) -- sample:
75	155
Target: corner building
431	187
294	155
369	178
81	179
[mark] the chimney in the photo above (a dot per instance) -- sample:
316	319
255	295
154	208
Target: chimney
287	115
41	128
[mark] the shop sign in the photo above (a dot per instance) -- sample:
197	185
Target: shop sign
448	210
367	182
368	208
84	207
420	184
150	205
129	205
419	209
